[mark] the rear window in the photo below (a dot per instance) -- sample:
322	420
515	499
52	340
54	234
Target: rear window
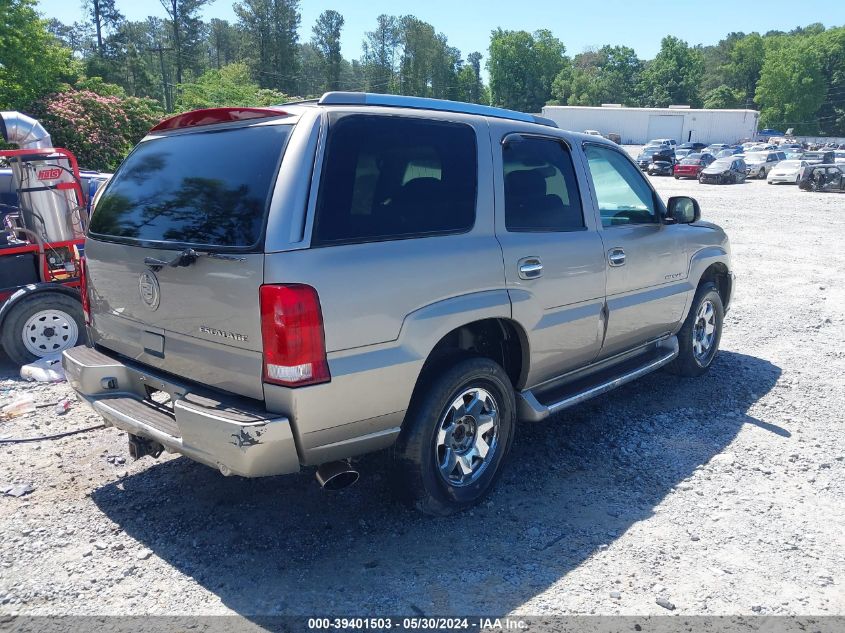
205	189
389	177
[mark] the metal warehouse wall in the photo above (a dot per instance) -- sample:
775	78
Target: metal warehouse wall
639	125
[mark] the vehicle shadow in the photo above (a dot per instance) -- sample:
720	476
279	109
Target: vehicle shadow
574	484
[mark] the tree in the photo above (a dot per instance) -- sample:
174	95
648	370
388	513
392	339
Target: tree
32	62
229	86
379	54
224	43
673	76
326	41
104	16
271	33
470	86
186	26
723	97
792	85
831	114
744	65
523	67
608	75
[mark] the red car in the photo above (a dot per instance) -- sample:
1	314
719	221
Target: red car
692	164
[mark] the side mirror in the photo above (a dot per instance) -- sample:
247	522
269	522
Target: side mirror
682	210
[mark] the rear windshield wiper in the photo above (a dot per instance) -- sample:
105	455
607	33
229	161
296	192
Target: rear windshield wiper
186	258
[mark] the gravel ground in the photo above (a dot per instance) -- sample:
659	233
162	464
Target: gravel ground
718	495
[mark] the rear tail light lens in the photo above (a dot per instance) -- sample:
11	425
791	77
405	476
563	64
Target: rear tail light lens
83	290
292	334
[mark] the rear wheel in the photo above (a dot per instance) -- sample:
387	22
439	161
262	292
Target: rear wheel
455	437
698	339
44	324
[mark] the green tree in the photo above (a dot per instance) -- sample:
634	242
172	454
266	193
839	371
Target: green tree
103	16
187	29
379	54
32	62
723	97
673	76
229	86
832	111
470	85
327	42
792	84
271	33
744	65
608	75
523	67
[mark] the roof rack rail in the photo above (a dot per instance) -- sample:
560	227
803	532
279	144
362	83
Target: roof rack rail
423	103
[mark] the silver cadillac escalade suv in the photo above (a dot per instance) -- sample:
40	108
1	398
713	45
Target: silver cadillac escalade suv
273	288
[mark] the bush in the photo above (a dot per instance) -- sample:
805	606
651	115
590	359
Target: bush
99	129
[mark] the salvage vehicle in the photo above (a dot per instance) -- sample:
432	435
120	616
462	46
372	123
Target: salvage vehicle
788	171
820	157
685	149
759	164
823	178
655	152
691	166
724	171
44	213
661	167
318	280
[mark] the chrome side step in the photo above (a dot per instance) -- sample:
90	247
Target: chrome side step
535	407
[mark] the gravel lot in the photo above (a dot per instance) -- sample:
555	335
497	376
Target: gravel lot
718	495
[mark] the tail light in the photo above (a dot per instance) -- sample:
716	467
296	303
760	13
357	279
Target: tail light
292	334
83	290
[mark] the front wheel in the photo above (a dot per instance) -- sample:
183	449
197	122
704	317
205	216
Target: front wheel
698	339
457	432
43	324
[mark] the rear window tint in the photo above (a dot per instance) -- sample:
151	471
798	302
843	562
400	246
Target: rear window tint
205	189
388	177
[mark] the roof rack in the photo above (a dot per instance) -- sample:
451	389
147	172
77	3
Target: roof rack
422	103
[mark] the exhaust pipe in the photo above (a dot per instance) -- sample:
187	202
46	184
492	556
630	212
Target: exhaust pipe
336	475
23	131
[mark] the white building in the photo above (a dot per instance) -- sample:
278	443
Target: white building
637	126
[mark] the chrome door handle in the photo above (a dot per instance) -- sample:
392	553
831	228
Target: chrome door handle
616	257
530	268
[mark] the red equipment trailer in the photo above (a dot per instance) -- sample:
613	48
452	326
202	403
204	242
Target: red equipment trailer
40	251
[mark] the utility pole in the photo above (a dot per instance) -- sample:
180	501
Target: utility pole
168	102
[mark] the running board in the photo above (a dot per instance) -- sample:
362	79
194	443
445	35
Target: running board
534	408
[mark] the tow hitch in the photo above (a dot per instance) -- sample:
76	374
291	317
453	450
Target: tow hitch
140	446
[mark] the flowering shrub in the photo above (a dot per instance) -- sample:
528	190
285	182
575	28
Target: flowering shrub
99	129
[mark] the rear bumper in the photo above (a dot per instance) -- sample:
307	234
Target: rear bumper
232	436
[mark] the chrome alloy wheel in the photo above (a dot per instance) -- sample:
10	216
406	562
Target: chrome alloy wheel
49	332
704	331
467	437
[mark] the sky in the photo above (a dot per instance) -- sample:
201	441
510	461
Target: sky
639	24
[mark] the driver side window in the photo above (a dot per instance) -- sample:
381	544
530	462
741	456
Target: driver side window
623	195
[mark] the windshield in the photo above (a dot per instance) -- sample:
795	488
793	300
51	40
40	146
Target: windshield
813	155
692	160
722	163
208	188
789	164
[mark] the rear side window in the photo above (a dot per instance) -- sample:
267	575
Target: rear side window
204	189
388	177
541	193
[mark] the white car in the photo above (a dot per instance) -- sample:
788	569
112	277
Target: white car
788	171
839	157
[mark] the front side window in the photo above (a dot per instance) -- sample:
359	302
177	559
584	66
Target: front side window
541	192
389	177
623	194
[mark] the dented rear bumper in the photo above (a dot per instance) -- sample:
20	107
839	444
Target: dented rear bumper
231	435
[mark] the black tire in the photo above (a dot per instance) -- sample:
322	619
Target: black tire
688	363
13	324
419	481
677	177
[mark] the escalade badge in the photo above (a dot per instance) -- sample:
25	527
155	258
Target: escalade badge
149	289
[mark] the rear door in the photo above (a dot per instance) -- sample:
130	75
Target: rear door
175	253
554	262
647	260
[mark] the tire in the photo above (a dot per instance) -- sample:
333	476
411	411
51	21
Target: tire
55	323
762	175
421	454
677	177
691	359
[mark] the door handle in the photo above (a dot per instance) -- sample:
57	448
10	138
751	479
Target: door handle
616	257
530	268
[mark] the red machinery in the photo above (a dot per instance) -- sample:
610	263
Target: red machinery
40	245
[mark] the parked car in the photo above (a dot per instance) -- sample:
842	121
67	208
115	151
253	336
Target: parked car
382	272
685	149
825	178
769	132
669	142
820	157
839	157
794	154
724	171
592	132
727	153
759	164
660	167
655	152
615	137
691	166
788	171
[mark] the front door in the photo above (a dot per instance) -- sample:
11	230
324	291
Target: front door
647	265
554	259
